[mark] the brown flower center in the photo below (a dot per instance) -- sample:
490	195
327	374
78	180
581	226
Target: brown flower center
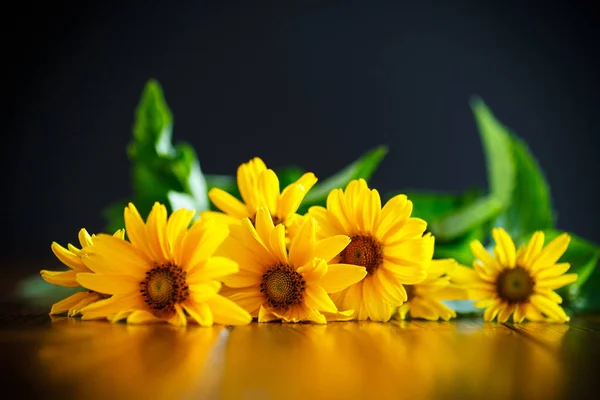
164	286
515	285
364	251
282	286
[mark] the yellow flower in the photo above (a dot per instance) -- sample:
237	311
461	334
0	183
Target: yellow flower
164	270
520	282
386	241
274	284
71	257
259	188
424	298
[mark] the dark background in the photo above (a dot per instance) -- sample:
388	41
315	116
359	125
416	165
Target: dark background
314	84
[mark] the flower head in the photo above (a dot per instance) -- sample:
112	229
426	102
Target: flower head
519	283
259	187
424	299
71	257
385	240
163	273
274	284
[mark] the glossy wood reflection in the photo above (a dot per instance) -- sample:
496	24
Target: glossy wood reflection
68	358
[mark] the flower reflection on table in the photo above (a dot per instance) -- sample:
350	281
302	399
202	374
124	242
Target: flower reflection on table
411	359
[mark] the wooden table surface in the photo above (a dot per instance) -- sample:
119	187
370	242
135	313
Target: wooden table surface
45	357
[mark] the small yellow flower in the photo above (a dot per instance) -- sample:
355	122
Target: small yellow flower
166	271
71	257
274	284
424	298
520	282
386	241
259	188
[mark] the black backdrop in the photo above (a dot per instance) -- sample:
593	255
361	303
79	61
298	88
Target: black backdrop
313	84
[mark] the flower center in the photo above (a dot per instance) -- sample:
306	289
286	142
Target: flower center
282	287
163	287
515	285
364	251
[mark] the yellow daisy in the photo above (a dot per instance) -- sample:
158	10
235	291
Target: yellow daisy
520	282
424	298
71	257
386	241
274	284
166	271
259	188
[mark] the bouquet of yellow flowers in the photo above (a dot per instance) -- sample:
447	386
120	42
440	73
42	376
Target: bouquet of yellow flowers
281	245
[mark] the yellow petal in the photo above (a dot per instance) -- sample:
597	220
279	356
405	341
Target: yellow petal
142	317
108	283
405	274
307	180
156	232
441	267
205	290
247	178
84	238
520	313
201	242
250	299
243	278
411	252
551	253
61	278
480	253
316	297
536	243
338	213
89	298
116	256
557	282
65	305
228	204
113	305
67	257
277	244
290	200
548	307
215	268
315	270
265	315
136	230
395	210
330	247
493	310
177	225
552	272
268	185
324	227
226	312
303	245
404	229
505	313
200	312
390	289
505	247
340	276
264	224
178	318
377	308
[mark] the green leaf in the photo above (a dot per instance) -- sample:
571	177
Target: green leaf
530	205
466	218
497	146
153	126
361	168
158	167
